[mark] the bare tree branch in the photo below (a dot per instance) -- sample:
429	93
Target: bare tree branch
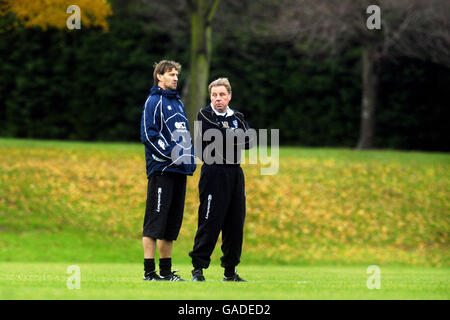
212	10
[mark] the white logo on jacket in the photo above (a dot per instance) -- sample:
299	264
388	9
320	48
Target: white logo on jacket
161	144
180	125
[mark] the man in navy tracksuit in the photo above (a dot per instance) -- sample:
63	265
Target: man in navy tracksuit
221	185
169	159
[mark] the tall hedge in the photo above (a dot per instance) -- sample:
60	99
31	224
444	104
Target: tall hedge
91	85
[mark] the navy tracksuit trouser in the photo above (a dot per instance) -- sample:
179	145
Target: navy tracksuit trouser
222	208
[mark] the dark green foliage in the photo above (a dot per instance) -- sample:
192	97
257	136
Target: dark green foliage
90	85
414	106
316	100
83	85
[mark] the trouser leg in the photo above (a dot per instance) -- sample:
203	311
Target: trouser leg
214	200
159	197
233	227
176	212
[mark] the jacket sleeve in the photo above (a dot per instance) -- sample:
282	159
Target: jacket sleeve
249	137
151	136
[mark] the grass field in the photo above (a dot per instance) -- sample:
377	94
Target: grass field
311	230
123	281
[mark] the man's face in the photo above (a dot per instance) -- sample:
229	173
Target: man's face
168	80
220	97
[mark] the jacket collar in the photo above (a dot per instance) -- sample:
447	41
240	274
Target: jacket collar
165	93
228	113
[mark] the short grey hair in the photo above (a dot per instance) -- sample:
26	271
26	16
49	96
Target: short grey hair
220	82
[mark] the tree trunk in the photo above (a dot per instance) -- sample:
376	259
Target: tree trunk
201	16
370	77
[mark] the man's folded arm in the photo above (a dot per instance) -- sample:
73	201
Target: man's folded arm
150	132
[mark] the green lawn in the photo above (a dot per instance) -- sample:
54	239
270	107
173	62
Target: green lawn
269	282
311	230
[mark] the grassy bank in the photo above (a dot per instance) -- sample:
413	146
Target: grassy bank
73	201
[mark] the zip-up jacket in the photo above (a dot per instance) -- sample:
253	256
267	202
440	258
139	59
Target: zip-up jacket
165	134
234	135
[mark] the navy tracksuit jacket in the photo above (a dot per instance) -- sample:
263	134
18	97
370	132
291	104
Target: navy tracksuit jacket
165	134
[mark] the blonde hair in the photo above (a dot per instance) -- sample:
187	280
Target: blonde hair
220	82
162	67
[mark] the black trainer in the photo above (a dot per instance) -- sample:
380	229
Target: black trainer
197	275
171	277
234	278
151	276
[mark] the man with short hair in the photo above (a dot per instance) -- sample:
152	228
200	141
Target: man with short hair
221	185
165	133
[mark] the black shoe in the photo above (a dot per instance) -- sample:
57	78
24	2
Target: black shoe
197	275
234	278
151	276
171	277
